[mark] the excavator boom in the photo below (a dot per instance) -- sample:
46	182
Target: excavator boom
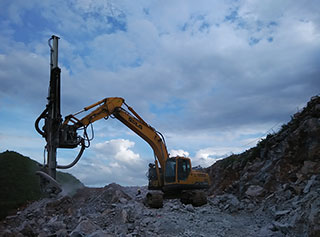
113	107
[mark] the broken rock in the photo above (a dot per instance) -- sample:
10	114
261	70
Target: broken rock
308	167
254	191
85	228
309	184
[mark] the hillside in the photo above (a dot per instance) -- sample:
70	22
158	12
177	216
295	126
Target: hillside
281	173
18	183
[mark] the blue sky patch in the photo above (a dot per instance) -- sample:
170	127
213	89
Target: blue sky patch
270	39
196	23
173	106
232	17
32	24
118	23
253	41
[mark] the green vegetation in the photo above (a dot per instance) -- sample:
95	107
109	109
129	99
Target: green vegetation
19	184
229	161
240	160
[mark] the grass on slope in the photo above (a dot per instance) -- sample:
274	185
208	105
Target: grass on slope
19	184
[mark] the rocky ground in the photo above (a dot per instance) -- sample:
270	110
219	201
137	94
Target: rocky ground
119	211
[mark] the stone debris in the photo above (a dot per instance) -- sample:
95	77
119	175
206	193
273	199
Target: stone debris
254	191
104	212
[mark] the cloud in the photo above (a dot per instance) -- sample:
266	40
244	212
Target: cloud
208	156
20	72
112	161
179	152
119	149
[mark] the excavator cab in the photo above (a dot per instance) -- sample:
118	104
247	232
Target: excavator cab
177	169
177	172
177	175
179	180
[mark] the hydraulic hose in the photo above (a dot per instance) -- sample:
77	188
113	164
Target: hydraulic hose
83	147
36	124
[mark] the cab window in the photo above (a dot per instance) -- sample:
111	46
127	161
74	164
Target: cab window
183	169
170	175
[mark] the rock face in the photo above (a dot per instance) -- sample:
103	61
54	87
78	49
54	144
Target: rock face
281	174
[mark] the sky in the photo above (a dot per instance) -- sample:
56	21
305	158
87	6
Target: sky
214	77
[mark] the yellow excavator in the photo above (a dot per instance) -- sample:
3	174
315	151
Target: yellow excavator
173	176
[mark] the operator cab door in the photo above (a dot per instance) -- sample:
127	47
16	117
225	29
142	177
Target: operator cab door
184	169
170	171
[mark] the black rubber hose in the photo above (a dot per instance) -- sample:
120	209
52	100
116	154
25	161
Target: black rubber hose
83	147
36	124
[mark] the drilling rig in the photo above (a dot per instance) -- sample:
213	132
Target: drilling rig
54	131
52	113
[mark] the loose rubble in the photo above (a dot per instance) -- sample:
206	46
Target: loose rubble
119	211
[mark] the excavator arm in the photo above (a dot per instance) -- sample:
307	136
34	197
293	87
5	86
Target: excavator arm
113	106
103	109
